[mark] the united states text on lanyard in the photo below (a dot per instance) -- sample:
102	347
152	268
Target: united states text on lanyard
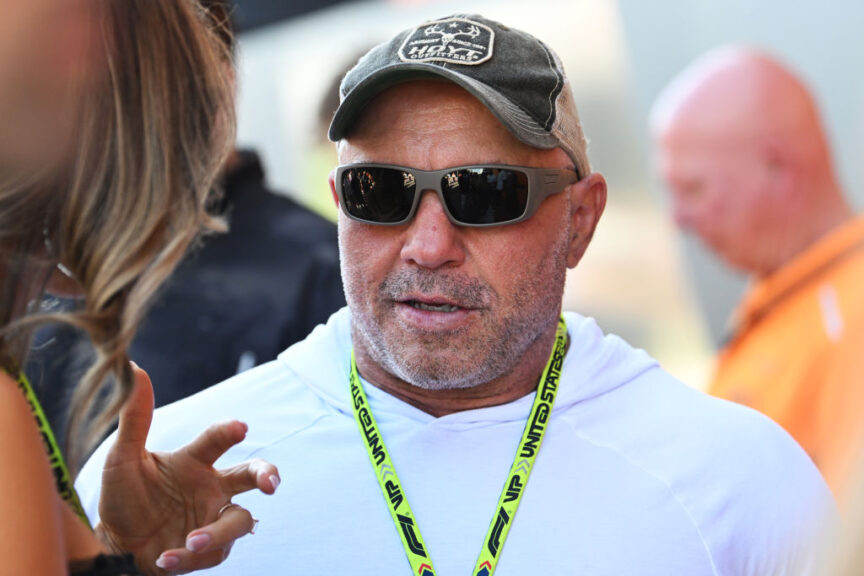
514	487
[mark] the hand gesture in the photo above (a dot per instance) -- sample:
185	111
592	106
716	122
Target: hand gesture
173	510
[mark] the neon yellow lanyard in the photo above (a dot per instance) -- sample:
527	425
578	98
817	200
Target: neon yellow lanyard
61	473
514	487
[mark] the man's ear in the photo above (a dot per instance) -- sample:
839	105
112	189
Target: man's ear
332	180
587	202
780	168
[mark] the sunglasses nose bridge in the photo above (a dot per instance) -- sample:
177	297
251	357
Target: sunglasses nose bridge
427	181
430	182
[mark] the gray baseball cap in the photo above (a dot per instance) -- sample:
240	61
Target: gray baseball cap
519	79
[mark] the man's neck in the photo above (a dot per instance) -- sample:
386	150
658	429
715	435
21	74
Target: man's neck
508	387
811	228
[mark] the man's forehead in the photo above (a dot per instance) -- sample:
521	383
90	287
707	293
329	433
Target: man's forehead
439	121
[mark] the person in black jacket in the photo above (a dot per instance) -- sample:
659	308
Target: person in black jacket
244	296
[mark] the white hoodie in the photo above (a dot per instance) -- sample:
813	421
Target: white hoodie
638	473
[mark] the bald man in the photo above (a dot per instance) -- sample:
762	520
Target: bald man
745	159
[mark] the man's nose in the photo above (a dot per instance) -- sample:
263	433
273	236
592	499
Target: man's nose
684	214
432	241
681	217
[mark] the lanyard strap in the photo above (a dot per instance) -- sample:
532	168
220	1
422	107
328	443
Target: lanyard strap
514	487
58	466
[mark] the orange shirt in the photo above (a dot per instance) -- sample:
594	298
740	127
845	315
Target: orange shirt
797	354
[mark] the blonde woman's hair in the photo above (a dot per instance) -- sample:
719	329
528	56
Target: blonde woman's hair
155	124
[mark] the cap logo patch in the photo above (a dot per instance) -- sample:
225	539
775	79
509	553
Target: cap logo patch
454	40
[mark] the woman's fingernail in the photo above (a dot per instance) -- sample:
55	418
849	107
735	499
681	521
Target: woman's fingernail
168	562
198	542
274	481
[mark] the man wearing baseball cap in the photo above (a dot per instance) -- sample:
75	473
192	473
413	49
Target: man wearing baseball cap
453	393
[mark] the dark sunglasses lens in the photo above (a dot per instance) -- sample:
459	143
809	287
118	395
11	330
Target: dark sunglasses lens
381	195
485	195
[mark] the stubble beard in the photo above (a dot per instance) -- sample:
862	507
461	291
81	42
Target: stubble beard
467	357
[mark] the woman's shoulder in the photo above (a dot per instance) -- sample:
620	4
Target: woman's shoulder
21	442
15	413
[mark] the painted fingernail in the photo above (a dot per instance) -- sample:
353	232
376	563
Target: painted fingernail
167	562
198	542
274	481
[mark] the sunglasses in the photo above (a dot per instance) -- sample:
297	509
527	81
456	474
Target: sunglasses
474	196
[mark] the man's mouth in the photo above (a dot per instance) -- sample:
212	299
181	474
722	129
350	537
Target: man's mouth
432	307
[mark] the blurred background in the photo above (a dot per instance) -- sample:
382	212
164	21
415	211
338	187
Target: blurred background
641	279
